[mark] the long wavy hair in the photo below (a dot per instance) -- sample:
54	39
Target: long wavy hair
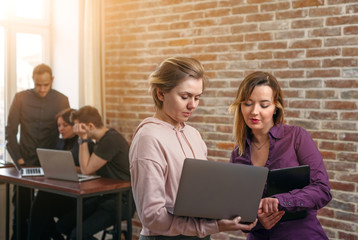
240	129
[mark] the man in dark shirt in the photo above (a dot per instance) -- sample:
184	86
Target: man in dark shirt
34	110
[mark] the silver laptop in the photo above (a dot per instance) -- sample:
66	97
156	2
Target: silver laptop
59	164
28	171
218	190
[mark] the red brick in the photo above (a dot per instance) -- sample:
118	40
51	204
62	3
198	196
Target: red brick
341	83
308	125
291	14
231	20
289	74
350	52
275	7
322	115
323	52
341	105
352	8
346	156
324	135
338	146
258	55
304	104
348	187
289	35
250	37
243	28
314	43
339	126
292	113
243	47
227	146
260	17
323	73
274	64
272	45
348	177
306	64
342	20
310	23
307	3
341	41
306	83
245	9
348	236
325	212
324	94
325	32
340	62
345	226
328	155
350	116
200	6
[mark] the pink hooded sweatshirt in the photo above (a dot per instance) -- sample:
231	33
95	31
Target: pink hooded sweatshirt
156	159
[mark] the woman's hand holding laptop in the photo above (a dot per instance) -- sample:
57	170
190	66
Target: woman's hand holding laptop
234	225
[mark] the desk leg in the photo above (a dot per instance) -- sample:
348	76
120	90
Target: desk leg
118	225
129	220
7	226
79	217
17	206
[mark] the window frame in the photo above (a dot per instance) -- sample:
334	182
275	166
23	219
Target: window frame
13	25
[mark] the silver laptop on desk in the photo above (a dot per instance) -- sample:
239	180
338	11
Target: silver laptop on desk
28	171
218	190
59	164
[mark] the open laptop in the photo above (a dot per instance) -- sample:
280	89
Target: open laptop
59	164
218	190
284	180
28	171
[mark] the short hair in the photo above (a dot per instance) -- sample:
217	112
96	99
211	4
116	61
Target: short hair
88	114
41	69
173	71
66	115
240	129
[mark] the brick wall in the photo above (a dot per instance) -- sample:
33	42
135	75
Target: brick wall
311	46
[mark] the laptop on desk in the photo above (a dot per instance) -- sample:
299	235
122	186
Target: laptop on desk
59	164
28	171
218	190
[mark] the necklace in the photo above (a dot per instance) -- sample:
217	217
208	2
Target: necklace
259	147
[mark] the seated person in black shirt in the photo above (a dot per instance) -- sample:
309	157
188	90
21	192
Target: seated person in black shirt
109	159
47	205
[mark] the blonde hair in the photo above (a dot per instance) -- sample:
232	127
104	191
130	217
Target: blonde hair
240	129
171	72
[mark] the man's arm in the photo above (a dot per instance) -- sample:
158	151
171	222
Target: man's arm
11	130
89	163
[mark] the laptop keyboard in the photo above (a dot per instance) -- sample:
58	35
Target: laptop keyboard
32	170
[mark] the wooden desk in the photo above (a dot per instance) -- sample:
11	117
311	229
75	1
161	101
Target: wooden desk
71	189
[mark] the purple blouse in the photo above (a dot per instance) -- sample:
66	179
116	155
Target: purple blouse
293	146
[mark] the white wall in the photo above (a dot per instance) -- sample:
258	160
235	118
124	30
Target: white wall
65	48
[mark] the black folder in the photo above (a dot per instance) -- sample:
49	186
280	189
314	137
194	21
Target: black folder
284	180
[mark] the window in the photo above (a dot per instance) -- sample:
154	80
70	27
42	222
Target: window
24	43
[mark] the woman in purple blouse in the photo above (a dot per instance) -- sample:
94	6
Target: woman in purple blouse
263	140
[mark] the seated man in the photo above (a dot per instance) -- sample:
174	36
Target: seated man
109	159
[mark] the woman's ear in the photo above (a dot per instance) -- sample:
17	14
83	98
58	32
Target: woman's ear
160	94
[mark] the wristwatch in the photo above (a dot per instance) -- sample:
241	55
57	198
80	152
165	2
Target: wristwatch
80	141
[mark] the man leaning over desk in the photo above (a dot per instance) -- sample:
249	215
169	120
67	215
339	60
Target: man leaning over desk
34	111
109	159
